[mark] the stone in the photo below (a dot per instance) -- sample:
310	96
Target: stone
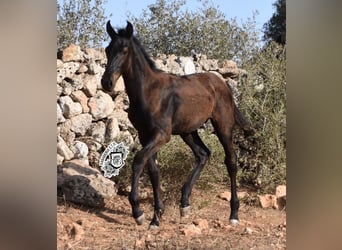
209	64
201	224
60	75
189	230
69	107
82	69
84	185
94	55
63	149
70	68
280	191
60	159
66	87
72	53
74	231
94	68
248	230
60	117
98	131
80	123
79	96
126	138
187	65
59	90
59	64
267	200
112	129
101	105
90	85
121	101
226	195
80	150
122	117
65	131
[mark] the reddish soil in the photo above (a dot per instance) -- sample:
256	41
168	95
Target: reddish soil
207	227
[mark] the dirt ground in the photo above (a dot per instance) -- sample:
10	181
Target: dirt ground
207	227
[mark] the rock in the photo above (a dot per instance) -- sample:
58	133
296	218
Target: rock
280	191
94	55
267	200
189	230
112	129
59	90
229	69
201	224
60	117
188	65
173	65
80	149
121	101
63	149
90	85
126	138
72	53
68	107
74	231
82	69
80	123
84	185
226	195
101	105
209	64
94	68
122	117
79	96
65	131
66	87
98	131
59	159
70	68
248	230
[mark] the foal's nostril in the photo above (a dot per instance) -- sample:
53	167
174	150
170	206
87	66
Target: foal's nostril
106	84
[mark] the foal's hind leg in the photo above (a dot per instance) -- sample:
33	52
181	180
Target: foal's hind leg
202	154
153	170
224	133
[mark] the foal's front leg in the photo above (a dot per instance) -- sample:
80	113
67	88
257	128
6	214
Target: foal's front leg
154	173
159	138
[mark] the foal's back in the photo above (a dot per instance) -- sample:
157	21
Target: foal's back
191	100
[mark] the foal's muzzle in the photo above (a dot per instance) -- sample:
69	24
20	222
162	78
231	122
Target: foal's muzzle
108	83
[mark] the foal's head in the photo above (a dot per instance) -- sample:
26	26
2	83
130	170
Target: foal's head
117	53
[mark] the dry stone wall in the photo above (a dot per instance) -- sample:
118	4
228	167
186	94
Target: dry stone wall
88	118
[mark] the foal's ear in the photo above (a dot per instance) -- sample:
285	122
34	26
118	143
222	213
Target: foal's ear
111	32
129	29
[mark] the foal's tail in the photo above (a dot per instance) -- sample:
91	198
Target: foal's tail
243	123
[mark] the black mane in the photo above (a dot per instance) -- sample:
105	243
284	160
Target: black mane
145	54
151	63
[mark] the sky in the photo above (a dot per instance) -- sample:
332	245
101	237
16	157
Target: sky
241	9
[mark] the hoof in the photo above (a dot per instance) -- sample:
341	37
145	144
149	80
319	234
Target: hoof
140	220
153	227
234	222
184	211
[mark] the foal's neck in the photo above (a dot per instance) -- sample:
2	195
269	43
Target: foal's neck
135	77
